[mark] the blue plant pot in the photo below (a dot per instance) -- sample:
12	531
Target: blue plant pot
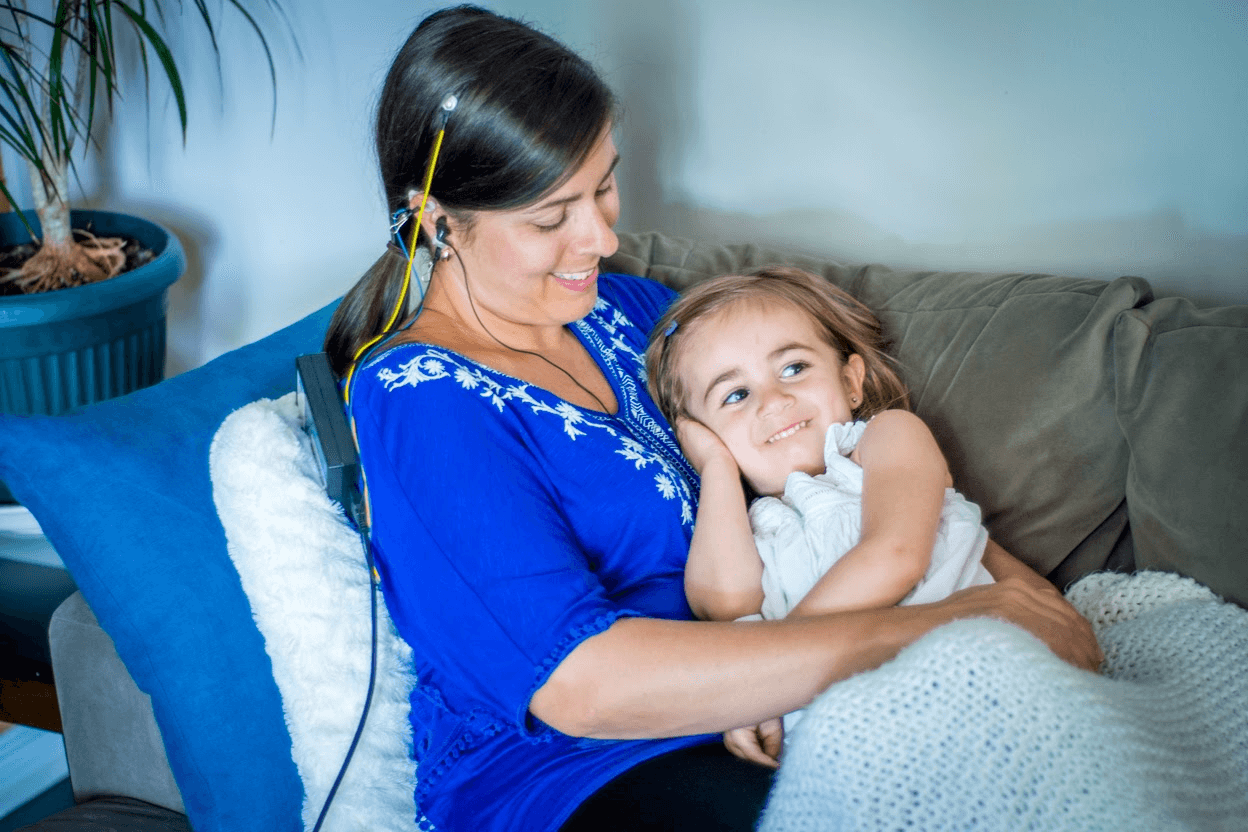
63	349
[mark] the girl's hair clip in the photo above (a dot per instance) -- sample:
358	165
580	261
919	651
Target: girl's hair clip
667	333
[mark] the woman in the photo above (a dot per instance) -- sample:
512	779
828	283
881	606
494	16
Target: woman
531	510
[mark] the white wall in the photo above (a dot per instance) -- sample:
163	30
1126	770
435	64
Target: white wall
1092	138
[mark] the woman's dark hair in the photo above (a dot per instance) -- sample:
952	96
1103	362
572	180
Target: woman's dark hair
529	112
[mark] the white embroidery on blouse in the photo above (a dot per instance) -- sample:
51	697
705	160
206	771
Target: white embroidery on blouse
432	364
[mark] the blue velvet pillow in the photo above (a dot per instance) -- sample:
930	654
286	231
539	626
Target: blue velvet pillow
122	490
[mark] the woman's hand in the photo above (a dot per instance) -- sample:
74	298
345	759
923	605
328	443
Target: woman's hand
1002	566
701	446
1039	609
759	743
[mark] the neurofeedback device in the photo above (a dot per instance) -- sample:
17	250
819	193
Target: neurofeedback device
327	417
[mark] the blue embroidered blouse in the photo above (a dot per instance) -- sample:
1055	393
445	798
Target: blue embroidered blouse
510	525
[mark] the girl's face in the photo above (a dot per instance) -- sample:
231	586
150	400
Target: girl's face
538	265
764	380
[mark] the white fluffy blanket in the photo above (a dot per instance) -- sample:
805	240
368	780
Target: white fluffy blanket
979	726
302	567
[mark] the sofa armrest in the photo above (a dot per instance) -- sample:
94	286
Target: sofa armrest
112	814
112	742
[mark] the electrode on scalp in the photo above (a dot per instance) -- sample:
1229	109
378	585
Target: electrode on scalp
448	105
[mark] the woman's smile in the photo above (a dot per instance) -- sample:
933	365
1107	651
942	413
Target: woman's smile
577	281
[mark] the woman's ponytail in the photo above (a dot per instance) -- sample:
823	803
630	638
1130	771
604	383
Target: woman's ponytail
365	309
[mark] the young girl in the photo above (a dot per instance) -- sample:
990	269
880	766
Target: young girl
780	379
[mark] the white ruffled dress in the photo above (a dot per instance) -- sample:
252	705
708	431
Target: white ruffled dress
802	534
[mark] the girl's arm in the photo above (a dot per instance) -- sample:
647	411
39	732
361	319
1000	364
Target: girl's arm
723	576
904	481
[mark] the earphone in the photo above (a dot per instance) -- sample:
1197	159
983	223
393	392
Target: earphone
439	240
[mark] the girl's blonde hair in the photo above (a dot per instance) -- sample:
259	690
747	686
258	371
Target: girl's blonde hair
847	326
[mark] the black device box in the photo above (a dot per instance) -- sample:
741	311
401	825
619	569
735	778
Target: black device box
326	423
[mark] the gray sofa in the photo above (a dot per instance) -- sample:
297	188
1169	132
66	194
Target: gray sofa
1097	427
118	768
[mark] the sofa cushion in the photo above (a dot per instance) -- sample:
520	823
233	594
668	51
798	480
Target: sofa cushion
122	491
1182	402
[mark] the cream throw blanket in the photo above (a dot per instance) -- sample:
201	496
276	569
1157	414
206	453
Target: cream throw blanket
975	726
979	726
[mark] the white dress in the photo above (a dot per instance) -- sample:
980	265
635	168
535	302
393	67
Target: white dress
802	534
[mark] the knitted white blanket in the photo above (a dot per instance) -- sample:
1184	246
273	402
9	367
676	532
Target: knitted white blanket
979	726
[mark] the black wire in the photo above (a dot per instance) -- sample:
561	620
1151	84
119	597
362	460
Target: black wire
372	678
356	513
472	303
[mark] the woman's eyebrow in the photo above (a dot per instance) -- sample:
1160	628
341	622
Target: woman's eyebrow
554	203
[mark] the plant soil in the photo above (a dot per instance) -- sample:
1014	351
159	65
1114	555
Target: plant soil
13	256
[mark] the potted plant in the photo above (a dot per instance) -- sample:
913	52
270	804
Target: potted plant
82	318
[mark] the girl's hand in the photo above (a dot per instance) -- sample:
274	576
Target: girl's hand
701	445
759	743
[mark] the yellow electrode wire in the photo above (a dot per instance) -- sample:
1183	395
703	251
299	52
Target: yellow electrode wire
448	104
407	273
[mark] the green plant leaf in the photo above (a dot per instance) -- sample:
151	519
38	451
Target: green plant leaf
29	126
48	94
163	55
21	215
268	54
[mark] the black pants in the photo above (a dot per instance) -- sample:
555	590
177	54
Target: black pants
699	789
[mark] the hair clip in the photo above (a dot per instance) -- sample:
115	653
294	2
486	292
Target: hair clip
667	333
398	218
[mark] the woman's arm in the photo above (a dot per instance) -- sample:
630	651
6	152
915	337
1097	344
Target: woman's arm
904	481
724	575
655	678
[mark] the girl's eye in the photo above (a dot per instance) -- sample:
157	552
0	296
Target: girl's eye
607	188
736	396
793	369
